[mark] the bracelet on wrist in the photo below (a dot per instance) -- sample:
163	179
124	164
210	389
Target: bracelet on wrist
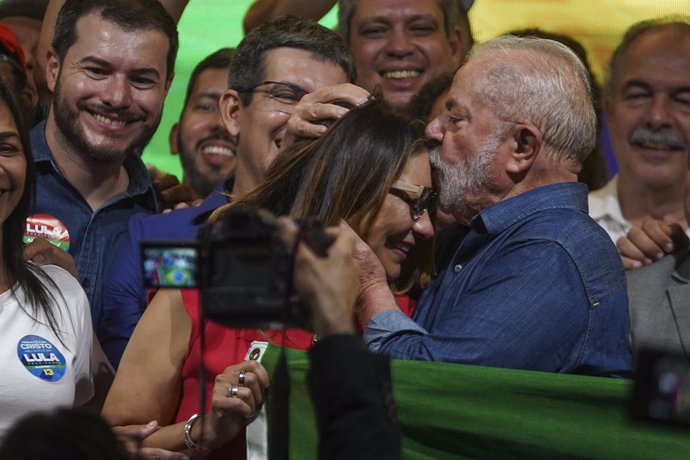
189	442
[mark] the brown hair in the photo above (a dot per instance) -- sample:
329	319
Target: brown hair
346	174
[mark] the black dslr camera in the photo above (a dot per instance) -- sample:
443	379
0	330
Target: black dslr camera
243	270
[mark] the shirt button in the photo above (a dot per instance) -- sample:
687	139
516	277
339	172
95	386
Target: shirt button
457	268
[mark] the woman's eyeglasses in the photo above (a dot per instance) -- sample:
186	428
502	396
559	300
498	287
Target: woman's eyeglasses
424	197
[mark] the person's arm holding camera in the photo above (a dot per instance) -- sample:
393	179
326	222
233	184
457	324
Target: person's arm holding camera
350	387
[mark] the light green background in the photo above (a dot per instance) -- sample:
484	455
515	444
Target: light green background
205	26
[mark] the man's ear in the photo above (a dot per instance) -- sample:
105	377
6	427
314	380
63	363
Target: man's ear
168	82
457	47
172	139
230	107
527	141
52	69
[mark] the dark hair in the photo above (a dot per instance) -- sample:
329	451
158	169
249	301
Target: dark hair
249	63
65	433
129	15
20	274
449	8
423	102
346	174
680	22
220	59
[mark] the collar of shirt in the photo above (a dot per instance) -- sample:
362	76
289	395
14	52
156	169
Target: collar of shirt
139	179
603	203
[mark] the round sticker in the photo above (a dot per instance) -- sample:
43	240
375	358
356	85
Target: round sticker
41	358
47	227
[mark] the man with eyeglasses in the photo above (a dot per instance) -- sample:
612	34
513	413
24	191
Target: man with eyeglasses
275	67
535	283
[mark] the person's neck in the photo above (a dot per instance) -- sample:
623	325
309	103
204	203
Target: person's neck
244	182
638	201
96	182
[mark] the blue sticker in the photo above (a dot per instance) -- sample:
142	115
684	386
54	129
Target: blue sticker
41	358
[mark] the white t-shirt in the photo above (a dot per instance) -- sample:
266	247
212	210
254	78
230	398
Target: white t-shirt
39	372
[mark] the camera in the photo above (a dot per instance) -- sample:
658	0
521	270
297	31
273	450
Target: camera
240	265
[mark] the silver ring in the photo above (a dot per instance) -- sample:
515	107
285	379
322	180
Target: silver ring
233	391
241	378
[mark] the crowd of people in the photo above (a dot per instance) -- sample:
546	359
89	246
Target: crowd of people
460	182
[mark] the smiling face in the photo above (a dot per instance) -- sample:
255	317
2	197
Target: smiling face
261	124
108	91
648	110
394	234
206	149
12	163
400	45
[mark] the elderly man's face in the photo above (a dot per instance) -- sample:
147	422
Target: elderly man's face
648	111
400	45
469	160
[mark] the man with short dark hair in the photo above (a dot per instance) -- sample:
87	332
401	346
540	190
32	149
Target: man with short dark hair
399	45
206	150
273	68
110	68
535	283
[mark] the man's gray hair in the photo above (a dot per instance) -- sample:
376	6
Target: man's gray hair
546	85
680	23
346	9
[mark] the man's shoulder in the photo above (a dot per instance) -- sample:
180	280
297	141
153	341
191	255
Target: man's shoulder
177	224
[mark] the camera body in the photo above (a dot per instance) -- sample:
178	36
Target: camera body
240	265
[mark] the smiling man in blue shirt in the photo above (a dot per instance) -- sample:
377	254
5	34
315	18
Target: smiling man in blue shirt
535	283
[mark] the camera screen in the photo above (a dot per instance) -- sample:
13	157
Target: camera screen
170	266
662	388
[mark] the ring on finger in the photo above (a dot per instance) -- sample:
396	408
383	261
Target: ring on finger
241	378
233	391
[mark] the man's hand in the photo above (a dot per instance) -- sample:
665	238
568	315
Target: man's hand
327	285
170	192
41	252
320	108
649	242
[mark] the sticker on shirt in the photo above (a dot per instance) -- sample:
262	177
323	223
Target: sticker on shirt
48	227
40	357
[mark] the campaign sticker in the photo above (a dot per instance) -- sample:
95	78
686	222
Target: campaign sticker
41	358
47	227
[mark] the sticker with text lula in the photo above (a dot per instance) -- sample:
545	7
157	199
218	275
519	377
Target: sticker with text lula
47	227
40	357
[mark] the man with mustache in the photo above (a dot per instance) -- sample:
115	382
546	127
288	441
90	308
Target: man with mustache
535	283
110	67
647	106
206	149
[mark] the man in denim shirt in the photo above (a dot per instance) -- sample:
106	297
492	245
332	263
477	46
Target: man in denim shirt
110	67
535	283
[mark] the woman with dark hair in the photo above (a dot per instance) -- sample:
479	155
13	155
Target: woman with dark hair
45	321
372	170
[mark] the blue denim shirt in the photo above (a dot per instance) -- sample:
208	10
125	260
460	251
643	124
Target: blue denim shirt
124	295
92	233
535	284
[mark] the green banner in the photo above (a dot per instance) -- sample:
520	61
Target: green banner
458	411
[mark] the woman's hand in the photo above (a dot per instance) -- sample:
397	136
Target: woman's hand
237	396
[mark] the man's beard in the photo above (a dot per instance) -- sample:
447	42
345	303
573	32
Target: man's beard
67	122
201	183
462	185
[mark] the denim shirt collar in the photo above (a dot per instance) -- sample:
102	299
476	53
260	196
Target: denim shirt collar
139	179
499	217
